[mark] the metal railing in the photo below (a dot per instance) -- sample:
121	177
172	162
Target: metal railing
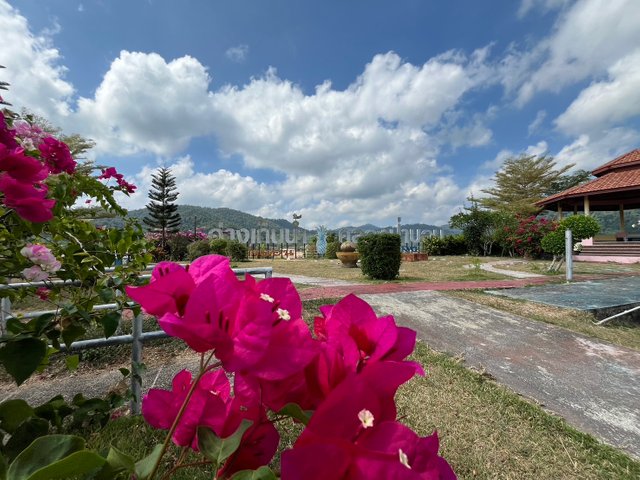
136	338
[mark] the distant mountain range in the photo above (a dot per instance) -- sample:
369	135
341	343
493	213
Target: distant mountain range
207	218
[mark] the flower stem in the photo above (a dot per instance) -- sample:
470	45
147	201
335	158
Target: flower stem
183	407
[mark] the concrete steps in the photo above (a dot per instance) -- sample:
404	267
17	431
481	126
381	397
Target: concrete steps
629	249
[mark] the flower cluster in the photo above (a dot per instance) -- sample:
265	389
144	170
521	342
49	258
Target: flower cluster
348	372
45	263
527	236
21	179
111	172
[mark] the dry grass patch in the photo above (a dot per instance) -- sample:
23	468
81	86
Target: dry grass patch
489	432
579	268
436	269
619	331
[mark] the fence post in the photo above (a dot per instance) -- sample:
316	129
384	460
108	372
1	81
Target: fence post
5	313
136	360
568	254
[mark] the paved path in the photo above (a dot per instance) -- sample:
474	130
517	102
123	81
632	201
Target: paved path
495	268
361	289
316	281
594	385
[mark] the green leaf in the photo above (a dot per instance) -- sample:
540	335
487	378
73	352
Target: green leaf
219	449
21	358
117	463
72	362
294	411
15	326
39	324
13	413
54	456
110	323
263	473
72	333
125	372
78	463
24	435
145	466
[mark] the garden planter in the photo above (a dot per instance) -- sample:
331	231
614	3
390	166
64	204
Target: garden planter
348	259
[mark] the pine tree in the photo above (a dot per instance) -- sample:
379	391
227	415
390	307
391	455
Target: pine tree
163	216
521	182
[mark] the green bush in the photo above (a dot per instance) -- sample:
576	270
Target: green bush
449	245
380	255
237	251
581	226
332	248
197	249
177	246
218	246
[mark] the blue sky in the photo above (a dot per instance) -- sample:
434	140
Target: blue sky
347	112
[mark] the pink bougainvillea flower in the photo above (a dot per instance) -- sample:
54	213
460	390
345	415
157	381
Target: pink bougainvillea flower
363	337
35	274
42	256
171	284
27	200
20	166
57	156
212	406
356	428
351	337
111	172
7	135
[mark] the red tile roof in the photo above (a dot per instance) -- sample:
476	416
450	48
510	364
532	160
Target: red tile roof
620	174
627	160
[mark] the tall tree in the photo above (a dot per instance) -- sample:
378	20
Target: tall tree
521	182
163	216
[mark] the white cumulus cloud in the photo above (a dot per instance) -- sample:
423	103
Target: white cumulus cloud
238	53
606	103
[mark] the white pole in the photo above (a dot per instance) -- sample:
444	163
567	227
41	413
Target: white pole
568	254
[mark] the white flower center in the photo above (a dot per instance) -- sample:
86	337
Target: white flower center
283	314
267	298
366	418
404	459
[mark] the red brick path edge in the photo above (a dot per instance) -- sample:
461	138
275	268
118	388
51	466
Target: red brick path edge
331	292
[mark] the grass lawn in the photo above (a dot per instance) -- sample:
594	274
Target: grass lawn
486	431
436	269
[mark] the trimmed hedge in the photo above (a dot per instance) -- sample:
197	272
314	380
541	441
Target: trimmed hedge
380	255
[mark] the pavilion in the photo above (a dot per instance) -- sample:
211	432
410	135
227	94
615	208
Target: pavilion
615	188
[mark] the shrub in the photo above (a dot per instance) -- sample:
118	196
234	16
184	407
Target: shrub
527	238
218	246
449	245
380	255
332	248
237	251
198	249
581	226
178	245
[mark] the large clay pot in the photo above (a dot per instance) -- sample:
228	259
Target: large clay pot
348	259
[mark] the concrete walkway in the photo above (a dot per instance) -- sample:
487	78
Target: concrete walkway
594	385
495	268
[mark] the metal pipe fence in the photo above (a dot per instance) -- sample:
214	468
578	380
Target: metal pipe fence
137	338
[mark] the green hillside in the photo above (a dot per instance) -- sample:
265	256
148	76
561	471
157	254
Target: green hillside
207	218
